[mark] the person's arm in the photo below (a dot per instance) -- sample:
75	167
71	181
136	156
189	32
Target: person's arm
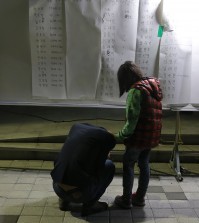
133	107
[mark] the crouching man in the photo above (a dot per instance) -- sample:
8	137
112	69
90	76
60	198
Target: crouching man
82	171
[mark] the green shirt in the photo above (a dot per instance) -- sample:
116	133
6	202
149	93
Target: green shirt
133	108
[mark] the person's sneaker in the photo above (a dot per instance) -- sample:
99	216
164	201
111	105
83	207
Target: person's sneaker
63	205
123	202
136	201
94	208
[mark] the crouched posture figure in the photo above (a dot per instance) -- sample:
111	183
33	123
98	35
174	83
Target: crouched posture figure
82	171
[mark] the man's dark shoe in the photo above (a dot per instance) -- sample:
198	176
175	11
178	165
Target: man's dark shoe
137	201
123	202
94	208
63	205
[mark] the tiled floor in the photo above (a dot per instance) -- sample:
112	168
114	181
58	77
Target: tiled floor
26	194
28	197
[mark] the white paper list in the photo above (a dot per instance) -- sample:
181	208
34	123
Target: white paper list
118	43
47	49
176	54
147	36
83	38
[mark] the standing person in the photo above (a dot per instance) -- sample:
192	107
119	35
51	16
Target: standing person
141	131
82	171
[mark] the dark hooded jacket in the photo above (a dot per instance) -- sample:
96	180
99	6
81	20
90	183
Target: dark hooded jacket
148	129
83	155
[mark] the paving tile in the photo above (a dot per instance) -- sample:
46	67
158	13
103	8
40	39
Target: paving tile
43	181
15	202
155	189
197	212
168	181
96	220
39	194
119	219
173	188
26	180
18	194
53	211
187	220
10	210
9	218
147	205
156	196
13	172
42	187
192	196
159	204
154	181
51	219
142	213
6	187
114	190
80	220
29	219
180	204
101	214
22	187
4	194
185	212
117	181
175	196
194	203
166	220
189	187
39	202
8	179
163	213
52	202
44	173
108	199
147	220
30	173
120	212
32	211
2	201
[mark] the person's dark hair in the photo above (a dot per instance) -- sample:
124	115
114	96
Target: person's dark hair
128	74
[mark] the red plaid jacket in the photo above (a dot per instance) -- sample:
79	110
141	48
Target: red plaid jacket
148	129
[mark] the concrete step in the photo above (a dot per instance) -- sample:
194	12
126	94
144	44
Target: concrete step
48	151
186	139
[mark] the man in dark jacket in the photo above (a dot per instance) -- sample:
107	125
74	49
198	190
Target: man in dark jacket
141	131
82	171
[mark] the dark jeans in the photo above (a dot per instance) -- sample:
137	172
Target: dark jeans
130	157
92	192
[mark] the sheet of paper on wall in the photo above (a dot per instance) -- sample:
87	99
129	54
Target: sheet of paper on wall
118	44
77	47
195	55
47	49
175	61
147	48
83	48
100	35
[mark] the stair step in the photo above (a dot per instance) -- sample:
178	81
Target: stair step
48	151
187	139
